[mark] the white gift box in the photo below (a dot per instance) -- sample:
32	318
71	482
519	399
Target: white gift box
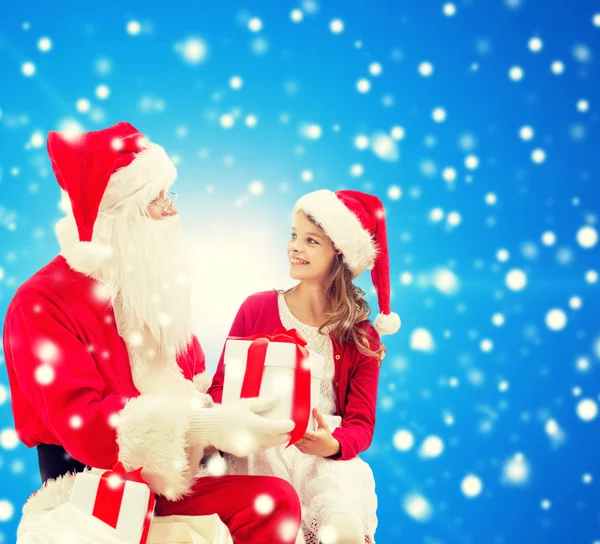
133	515
277	379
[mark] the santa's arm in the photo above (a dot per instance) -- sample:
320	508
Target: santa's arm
55	370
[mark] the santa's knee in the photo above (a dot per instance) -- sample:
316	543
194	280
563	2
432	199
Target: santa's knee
343	529
280	500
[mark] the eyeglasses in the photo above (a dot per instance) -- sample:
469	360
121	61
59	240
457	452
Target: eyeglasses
165	202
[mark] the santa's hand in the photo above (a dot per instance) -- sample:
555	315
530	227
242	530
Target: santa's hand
238	428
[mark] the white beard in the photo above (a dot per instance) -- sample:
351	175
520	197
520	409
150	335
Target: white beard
146	280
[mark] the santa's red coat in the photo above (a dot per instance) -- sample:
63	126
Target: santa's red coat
70	375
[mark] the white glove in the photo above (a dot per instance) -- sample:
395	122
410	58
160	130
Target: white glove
237	427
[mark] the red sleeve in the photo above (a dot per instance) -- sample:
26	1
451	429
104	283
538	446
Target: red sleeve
356	432
56	372
199	357
240	327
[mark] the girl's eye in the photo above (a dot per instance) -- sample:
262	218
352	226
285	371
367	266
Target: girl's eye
312	240
293	235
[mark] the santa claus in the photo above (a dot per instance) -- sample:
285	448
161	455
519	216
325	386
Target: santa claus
101	357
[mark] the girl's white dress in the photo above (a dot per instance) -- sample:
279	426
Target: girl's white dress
325	487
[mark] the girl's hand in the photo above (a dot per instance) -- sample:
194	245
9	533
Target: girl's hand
320	442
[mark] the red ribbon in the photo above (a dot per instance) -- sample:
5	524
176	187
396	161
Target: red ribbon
255	366
109	497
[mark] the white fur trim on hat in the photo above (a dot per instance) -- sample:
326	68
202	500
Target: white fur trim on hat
84	257
343	228
87	257
387	323
140	181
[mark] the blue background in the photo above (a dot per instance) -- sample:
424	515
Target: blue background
513	409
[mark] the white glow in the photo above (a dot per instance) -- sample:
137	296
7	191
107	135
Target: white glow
587	409
526	133
556	319
516	470
449	9
9	439
587	237
403	440
398	132
425	69
516	73
192	50
6	510
471	486
538	156
422	340
432	447
134	28
233	248
439	115
311	131
363	86
82	105
336	26
472	162
44	44
516	280
535	44
264	504
384	147
417	507
557	67
102	92
548	238
375	69
236	83
498	319
394	192
446	281
227	120
28	69
255	24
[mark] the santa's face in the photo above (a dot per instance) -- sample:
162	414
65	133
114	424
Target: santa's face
162	206
146	273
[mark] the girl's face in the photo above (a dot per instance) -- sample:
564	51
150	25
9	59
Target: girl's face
310	251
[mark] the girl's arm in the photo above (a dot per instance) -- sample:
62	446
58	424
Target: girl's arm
356	432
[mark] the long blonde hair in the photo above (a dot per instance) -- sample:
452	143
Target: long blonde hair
348	309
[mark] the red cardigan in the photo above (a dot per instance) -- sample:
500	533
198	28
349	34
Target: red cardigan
355	380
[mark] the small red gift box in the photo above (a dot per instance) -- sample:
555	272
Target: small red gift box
119	498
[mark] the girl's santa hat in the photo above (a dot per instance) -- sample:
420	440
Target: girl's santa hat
103	171
355	223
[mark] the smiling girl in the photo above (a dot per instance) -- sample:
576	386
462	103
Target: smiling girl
334	238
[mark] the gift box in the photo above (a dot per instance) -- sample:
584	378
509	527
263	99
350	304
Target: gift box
281	366
119	498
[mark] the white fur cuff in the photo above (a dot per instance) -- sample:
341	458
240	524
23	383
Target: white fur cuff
152	434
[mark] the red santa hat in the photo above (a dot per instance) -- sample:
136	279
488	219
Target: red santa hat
355	223
102	171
